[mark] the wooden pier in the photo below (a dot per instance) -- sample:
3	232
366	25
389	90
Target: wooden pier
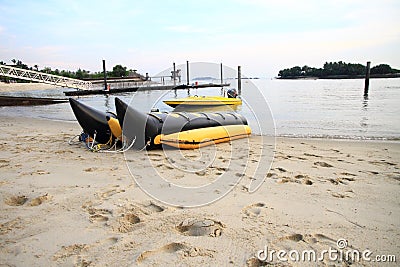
29	101
144	88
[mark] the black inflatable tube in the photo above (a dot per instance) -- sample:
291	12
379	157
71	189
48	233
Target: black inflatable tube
92	121
145	127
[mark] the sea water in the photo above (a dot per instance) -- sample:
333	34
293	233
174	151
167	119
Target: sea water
294	108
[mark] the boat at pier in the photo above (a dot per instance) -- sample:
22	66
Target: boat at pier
193	101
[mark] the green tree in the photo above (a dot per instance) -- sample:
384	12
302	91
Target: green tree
79	74
119	71
382	69
47	70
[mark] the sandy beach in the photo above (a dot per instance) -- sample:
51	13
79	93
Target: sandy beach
62	205
20	87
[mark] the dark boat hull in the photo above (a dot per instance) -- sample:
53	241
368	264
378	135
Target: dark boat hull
92	121
28	101
145	127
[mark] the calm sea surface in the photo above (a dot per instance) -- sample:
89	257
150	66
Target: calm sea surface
297	108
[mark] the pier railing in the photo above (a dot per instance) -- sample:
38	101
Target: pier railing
41	77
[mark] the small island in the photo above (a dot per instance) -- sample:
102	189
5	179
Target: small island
338	70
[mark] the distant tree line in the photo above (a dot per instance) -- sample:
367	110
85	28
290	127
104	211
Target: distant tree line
118	71
334	69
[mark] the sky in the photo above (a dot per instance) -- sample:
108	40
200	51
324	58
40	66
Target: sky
262	36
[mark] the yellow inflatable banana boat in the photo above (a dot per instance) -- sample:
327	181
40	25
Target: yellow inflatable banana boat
197	138
203	101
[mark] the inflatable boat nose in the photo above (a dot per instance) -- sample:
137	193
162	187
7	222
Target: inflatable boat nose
92	121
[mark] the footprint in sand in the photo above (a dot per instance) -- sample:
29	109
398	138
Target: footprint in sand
323	164
165	166
254	209
348	174
341	180
91	169
304	179
9	226
394	176
307	182
4	163
98	215
39	200
339	195
307	238
312	155
68	251
254	262
151	208
38	172
324	238
107	194
131	218
382	162
180	249
126	223
201	173
98	218
345	180
107	242
284	180
299	179
294	237
203	227
333	181
41	172
169	248
154	155
281	169
16	200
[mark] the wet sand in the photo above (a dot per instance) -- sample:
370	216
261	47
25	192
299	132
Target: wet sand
62	205
20	87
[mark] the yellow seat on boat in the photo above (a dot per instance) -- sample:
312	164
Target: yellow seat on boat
203	101
197	138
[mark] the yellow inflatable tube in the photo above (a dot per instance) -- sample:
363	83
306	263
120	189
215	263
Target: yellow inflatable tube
115	127
197	138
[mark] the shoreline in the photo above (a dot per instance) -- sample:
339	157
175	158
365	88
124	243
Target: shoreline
342	77
63	205
284	136
21	87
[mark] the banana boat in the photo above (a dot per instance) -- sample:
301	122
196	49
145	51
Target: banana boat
207	101
93	122
151	130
